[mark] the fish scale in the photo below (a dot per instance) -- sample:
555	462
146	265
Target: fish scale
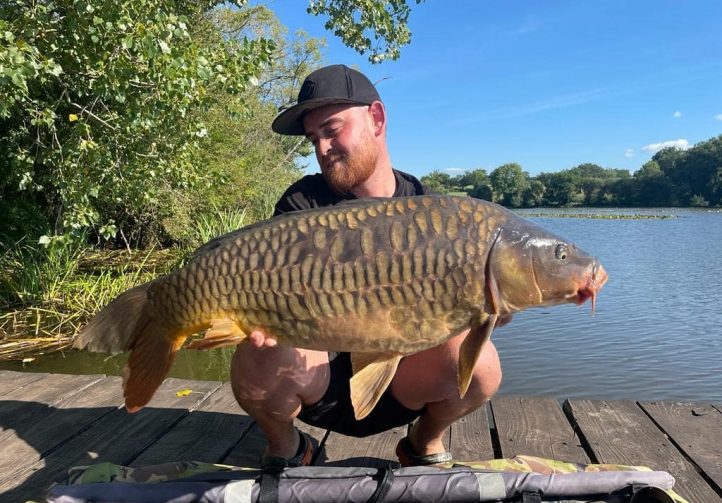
376	250
380	278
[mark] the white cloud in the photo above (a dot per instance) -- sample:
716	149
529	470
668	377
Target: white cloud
677	114
629	152
653	148
718	117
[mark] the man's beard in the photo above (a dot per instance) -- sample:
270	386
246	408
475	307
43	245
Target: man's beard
350	170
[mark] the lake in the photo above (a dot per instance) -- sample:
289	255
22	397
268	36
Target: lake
656	334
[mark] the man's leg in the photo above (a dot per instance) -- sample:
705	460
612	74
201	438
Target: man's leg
272	383
429	378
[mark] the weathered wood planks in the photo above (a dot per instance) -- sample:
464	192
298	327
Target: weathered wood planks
536	427
620	432
118	437
206	434
695	429
471	437
53	422
32	430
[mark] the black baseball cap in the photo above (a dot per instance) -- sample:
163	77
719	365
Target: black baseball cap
330	85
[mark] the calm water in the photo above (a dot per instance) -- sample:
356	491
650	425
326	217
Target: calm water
657	332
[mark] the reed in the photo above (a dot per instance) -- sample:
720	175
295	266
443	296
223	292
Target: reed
48	293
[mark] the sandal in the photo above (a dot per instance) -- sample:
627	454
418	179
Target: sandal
303	456
407	457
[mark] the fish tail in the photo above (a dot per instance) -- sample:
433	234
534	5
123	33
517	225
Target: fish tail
149	362
127	324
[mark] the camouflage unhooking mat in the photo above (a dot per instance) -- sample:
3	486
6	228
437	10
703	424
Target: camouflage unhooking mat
523	479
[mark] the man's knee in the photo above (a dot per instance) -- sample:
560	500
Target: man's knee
278	375
487	373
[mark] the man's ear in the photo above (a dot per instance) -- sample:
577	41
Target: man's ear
378	116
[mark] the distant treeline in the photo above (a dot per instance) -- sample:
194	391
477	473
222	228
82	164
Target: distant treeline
672	177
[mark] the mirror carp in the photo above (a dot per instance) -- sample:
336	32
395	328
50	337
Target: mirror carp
379	278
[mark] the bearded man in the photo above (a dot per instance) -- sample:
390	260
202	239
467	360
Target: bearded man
340	112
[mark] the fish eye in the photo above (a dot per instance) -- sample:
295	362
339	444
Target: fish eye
561	252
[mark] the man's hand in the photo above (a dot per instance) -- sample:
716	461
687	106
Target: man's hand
259	340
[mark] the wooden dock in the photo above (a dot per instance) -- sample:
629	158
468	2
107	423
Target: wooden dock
49	423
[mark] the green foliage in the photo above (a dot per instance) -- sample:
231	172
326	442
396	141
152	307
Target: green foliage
34	273
671	178
438	182
355	21
559	188
472	179
509	183
211	225
100	102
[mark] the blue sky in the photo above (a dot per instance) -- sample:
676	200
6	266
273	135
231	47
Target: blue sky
547	84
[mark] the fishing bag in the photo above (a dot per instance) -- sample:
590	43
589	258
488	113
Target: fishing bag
507	481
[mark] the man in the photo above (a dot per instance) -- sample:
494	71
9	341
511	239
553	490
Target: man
340	112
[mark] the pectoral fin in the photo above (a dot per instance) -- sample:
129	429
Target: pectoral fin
471	349
480	330
223	332
373	373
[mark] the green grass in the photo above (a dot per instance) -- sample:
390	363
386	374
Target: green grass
48	294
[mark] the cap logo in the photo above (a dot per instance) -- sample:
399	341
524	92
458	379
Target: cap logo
307	90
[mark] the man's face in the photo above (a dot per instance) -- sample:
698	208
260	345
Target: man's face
345	144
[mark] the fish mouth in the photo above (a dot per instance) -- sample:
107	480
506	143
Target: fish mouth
594	282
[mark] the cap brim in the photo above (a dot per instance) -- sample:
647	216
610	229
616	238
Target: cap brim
290	121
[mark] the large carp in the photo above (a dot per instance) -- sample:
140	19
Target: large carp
380	278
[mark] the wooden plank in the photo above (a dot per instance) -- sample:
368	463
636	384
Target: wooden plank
536	427
620	432
10	380
42	428
696	429
252	445
51	389
470	437
375	451
117	437
23	407
207	434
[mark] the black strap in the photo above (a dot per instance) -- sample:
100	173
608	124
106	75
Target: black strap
529	497
268	492
386	479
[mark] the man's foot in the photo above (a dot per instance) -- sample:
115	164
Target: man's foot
407	456
303	456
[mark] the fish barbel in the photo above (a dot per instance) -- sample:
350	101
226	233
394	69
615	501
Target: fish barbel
379	278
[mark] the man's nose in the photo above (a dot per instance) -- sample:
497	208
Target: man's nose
323	146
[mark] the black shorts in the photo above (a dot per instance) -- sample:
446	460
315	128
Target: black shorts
334	411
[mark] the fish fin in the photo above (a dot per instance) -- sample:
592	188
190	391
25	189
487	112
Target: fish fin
223	332
492	287
149	363
113	329
480	332
470	350
373	373
126	324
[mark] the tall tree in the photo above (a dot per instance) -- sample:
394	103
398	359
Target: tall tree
438	182
559	188
103	103
509	182
356	22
